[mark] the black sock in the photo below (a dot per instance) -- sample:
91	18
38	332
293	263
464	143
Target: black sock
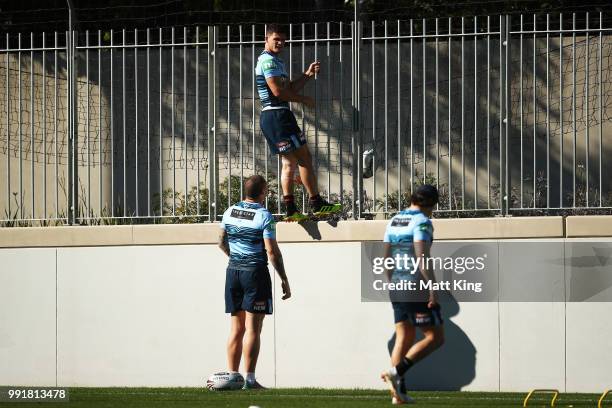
288	198
403	366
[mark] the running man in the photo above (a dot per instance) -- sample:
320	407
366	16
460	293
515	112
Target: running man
278	123
410	233
248	237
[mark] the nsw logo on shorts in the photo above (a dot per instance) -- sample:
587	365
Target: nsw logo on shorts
260	306
422	318
283	146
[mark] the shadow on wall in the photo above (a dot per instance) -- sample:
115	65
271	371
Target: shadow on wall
449	368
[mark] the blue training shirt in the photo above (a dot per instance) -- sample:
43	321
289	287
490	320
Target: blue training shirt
269	65
247	224
404	228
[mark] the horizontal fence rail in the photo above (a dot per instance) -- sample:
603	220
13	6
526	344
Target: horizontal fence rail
505	115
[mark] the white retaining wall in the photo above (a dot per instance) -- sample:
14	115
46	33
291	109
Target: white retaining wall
154	316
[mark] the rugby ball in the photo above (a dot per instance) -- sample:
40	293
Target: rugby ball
225	381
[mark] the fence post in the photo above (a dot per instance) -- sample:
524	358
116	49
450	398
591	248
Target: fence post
505	103
356	143
72	74
213	174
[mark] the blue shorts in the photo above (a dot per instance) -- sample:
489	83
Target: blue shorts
248	289
281	130
417	314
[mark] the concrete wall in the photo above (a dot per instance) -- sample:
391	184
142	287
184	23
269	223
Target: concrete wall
144	308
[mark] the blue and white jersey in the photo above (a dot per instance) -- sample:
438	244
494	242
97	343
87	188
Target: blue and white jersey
404	228
269	65
247	224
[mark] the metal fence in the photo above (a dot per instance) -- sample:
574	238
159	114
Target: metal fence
505	115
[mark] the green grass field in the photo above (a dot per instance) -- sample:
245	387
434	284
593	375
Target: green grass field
292	398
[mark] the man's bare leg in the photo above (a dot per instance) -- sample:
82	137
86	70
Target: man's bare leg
253	324
289	165
302	159
433	339
234	343
404	337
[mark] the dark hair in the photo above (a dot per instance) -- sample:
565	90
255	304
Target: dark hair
253	186
275	28
425	196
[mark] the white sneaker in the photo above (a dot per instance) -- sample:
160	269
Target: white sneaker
397	388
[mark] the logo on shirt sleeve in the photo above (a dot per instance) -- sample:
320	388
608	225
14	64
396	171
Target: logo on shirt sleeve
269	65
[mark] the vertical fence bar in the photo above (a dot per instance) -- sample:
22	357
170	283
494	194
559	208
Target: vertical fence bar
547	111
69	118
600	107
54	128
197	118
535	112
112	129
173	153
489	112
280	188
185	116
574	108
137	212
303	41
32	140
148	126
329	116
586	110
507	115
8	124
521	107
475	112
386	120
399	123
316	107
373	61
437	110
503	61
87	135
462	113
412	109
229	122
561	113
341	128
266	150
450	129
161	129
73	160
100	123
212	120
240	109
424	103
44	130
123	99
20	129
253	96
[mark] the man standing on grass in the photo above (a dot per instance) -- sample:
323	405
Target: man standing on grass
248	237
410	233
278	123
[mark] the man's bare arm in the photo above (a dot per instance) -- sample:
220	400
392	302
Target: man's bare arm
286	93
276	259
223	242
298	83
388	271
422	248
